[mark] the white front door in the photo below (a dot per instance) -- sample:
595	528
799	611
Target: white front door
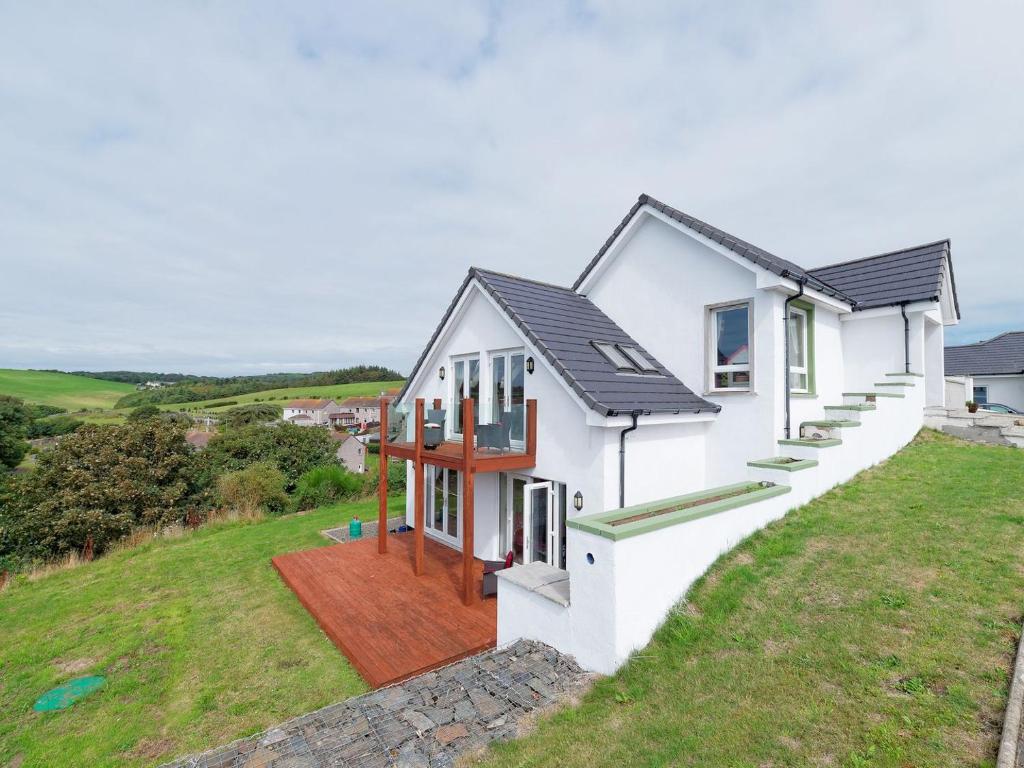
532	533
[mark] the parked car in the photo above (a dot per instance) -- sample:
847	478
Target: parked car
999	408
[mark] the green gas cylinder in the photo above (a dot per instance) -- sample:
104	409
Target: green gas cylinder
355	528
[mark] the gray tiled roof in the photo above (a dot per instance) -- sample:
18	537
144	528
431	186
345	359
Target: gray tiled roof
906	275
752	253
561	323
1003	354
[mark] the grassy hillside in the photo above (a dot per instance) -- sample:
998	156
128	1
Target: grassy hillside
281	396
199	639
873	627
61	389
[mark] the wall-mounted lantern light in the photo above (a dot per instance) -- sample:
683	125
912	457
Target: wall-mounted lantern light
577	501
440	372
529	365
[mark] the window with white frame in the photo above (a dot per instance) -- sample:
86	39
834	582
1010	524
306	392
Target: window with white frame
508	391
730	353
465	384
798	350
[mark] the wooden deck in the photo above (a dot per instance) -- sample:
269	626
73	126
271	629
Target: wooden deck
390	623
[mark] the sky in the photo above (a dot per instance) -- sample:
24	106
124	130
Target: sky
235	188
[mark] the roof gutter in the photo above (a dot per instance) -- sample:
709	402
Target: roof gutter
785	341
622	458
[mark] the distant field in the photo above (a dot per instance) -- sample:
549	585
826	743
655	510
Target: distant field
282	396
62	389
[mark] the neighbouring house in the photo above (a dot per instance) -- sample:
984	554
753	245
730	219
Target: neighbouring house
993	370
616	436
365	409
310	412
342	419
351	452
198	439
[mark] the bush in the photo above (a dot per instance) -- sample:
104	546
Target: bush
59	425
396	479
99	482
326	485
257	489
15	418
40	411
143	412
292	449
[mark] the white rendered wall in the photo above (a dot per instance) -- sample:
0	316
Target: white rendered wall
664	459
934	360
1008	390
829	368
657	288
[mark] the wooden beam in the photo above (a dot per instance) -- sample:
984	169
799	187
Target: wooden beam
531	428
382	486
418	531
468	580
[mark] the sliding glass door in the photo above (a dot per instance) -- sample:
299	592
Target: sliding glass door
508	391
442	499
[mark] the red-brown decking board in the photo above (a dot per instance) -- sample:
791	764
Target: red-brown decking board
390	623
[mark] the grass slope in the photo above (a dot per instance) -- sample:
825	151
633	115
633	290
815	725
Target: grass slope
282	396
199	639
62	389
872	627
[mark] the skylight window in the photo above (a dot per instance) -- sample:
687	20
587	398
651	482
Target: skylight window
638	358
625	358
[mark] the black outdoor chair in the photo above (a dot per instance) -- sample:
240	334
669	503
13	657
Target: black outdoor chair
433	429
495	435
491	568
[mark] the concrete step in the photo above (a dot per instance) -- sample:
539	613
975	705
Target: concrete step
783	463
909	373
868	397
894	384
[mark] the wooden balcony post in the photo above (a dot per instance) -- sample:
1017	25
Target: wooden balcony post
418	491
468	428
531	428
382	486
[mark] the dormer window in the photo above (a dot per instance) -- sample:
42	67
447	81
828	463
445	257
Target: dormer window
625	358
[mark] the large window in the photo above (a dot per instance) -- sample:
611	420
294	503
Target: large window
508	391
799	365
465	383
730	347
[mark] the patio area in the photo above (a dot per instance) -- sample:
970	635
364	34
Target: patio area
390	623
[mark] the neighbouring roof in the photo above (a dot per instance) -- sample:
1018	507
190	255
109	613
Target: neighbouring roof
1003	354
309	403
198	440
561	324
342	437
897	277
361	402
750	252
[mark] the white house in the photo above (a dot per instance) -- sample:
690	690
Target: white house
366	410
996	367
687	389
310	412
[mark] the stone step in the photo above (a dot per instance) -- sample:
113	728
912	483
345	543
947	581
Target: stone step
871	395
783	463
804	443
852	407
830	423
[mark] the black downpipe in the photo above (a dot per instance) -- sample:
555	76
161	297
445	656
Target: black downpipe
785	343
622	458
906	338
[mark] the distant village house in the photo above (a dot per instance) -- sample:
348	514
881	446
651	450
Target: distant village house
311	413
351	452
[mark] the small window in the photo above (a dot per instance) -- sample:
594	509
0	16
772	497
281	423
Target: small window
981	395
798	352
730	348
615	357
638	358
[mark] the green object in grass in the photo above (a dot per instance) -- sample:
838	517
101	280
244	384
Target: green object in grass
355	528
63	696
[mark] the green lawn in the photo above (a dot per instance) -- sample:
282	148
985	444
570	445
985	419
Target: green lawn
873	627
199	639
281	396
62	389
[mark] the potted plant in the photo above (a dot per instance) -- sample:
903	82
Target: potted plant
972	407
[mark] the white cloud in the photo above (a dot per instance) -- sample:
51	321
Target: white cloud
201	187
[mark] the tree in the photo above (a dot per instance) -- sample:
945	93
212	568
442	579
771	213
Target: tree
257	488
15	419
101	482
292	449
143	412
243	415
